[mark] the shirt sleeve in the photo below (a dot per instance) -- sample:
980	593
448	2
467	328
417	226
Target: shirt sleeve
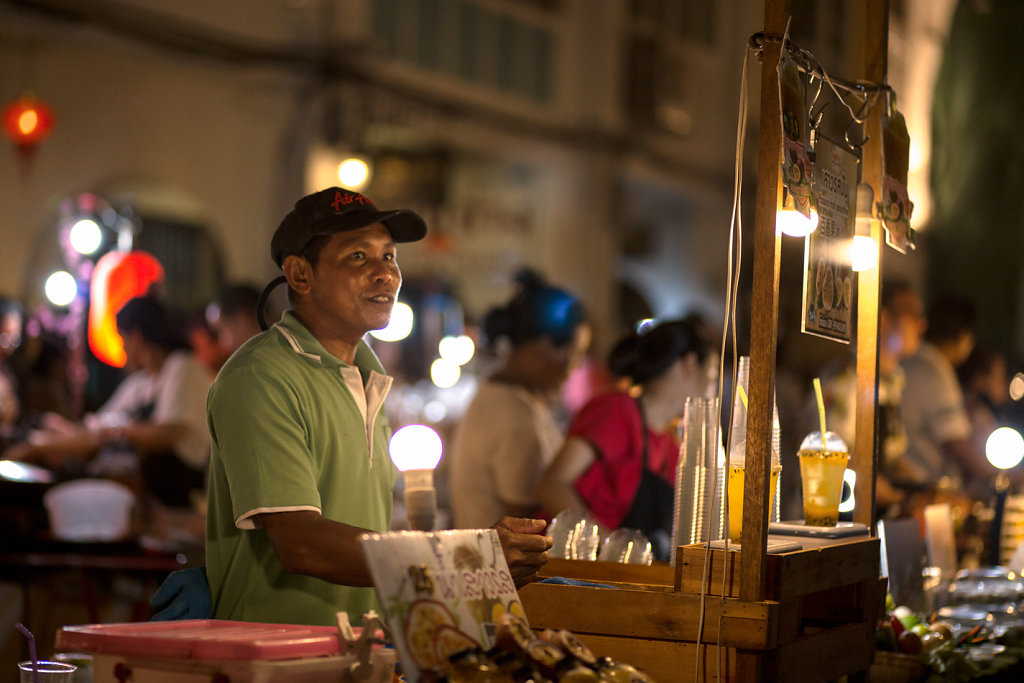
610	423
261	446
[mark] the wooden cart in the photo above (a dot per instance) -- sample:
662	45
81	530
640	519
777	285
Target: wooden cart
807	615
816	623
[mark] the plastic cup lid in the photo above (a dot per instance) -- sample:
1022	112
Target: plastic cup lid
833	442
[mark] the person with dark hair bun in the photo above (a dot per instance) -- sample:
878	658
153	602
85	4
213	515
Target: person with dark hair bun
619	458
508	434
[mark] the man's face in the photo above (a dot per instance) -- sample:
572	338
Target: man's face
355	282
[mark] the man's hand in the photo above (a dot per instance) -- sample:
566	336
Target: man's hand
526	550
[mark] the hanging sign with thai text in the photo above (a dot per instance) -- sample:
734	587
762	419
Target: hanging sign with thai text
828	275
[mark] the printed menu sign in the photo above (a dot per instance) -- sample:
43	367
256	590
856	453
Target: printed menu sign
442	592
828	277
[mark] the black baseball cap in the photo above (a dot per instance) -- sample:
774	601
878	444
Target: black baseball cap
338	210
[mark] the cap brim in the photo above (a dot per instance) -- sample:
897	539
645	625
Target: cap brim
404	225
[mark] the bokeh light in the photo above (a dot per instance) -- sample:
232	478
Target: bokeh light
399	326
415	447
1004	448
444	373
61	288
85	236
459	349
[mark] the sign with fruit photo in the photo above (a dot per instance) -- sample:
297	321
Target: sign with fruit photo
828	275
442	593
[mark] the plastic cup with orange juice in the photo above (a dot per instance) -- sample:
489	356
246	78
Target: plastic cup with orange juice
737	470
822	464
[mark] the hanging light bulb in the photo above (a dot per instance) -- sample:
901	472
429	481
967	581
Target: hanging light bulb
791	222
864	249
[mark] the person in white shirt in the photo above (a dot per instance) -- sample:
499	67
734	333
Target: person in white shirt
155	418
508	434
940	454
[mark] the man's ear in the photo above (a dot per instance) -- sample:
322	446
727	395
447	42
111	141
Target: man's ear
298	273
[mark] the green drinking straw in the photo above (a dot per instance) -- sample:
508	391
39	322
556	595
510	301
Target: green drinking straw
821	409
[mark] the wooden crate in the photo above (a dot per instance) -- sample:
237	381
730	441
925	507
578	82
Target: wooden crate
817	622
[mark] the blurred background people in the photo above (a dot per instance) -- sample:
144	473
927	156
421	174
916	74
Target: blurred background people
11	318
619	458
901	326
940	454
509	434
232	315
985	383
154	423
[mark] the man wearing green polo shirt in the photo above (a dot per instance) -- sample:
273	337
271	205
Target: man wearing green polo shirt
299	467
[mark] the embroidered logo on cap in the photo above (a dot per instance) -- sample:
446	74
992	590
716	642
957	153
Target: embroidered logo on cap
342	199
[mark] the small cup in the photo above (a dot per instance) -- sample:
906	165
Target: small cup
822	465
48	672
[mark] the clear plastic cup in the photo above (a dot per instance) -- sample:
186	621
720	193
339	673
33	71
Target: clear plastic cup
627	546
736	476
576	535
822	464
47	672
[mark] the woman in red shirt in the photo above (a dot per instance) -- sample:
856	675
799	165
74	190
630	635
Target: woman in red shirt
619	458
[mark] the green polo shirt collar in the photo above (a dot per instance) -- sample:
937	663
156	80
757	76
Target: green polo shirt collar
305	344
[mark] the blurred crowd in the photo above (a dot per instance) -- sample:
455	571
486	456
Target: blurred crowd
525	445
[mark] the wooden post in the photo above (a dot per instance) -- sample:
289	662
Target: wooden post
866	445
763	333
764	314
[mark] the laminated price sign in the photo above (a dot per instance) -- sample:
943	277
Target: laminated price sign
442	592
828	275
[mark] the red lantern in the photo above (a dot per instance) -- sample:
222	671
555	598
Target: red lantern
27	121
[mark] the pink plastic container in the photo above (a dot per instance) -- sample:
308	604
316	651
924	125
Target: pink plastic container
211	649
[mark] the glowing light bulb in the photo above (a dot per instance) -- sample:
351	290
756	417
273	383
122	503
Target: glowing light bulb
353	173
28	121
458	350
1017	387
85	236
398	327
415	447
444	373
61	288
416	451
863	253
1004	448
793	223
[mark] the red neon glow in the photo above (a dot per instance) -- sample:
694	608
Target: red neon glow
117	277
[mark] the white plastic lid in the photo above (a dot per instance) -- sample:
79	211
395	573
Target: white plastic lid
833	442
